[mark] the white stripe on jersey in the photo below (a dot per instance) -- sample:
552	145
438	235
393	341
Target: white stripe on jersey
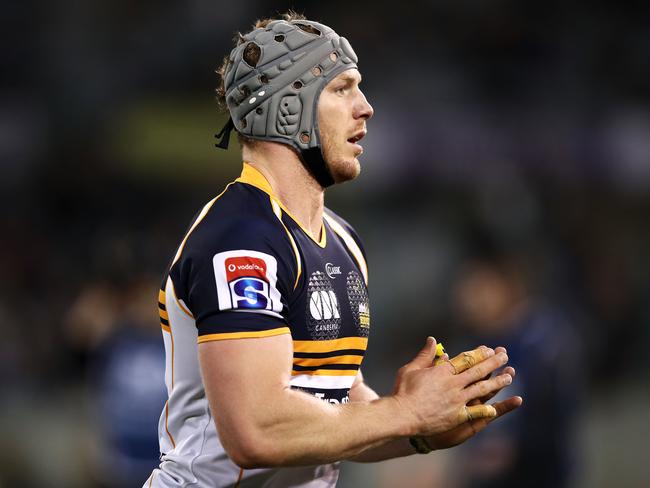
322	382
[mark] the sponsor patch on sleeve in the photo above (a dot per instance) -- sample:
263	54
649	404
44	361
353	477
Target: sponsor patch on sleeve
247	281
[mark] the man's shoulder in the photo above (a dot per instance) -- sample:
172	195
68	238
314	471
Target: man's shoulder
240	217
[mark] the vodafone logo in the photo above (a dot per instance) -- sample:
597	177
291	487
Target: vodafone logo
245	267
240	266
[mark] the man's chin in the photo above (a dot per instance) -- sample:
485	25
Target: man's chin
346	170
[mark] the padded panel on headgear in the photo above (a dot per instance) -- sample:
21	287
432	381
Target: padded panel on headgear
289	116
348	51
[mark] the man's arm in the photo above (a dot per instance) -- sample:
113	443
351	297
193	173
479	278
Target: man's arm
361	392
263	422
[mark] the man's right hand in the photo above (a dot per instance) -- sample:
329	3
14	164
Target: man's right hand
441	398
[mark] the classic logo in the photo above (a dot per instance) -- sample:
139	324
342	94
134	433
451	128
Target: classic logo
249	286
332	270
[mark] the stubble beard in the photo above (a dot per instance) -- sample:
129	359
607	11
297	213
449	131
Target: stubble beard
343	168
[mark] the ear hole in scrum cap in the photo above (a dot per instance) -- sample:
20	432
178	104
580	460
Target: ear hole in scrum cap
307	28
252	53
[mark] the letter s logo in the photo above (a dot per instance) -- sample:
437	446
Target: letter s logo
252	291
247	280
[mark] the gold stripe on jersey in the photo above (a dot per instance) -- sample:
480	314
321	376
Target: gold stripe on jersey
171	438
277	210
180	303
331	345
240	477
162	312
327	372
350	243
345	359
244	335
253	177
198	220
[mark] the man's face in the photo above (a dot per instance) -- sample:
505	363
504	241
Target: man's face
342	114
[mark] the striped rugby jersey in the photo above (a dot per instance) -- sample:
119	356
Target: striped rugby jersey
246	268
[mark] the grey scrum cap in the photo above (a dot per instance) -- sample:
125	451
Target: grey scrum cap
275	98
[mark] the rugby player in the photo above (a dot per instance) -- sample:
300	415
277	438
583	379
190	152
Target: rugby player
264	309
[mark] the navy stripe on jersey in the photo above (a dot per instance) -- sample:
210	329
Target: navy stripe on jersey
341	352
326	366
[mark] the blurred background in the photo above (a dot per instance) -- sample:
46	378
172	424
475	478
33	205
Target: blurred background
504	199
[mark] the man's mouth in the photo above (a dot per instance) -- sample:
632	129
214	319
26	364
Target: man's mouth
357	137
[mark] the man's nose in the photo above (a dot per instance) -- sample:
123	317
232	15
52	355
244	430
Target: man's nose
363	109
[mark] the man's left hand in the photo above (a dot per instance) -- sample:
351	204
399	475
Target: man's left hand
470	428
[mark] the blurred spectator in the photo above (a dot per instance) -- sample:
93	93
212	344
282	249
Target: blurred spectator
120	330
537	446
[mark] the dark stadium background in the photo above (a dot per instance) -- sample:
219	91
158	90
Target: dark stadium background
506	174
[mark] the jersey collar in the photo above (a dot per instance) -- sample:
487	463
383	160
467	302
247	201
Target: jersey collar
252	176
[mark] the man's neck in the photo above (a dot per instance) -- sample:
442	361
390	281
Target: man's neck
292	183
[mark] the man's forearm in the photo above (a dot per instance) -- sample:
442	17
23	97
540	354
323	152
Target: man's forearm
302	430
390	449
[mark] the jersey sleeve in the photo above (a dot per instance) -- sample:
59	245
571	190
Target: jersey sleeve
236	279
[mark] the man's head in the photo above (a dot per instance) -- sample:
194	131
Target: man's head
277	85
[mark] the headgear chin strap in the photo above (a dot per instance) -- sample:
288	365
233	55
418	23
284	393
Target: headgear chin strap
276	99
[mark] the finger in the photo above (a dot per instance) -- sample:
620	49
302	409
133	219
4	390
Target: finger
509	370
475	412
468	359
439	360
487	387
498	350
507	406
475	425
484	368
484	399
425	357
